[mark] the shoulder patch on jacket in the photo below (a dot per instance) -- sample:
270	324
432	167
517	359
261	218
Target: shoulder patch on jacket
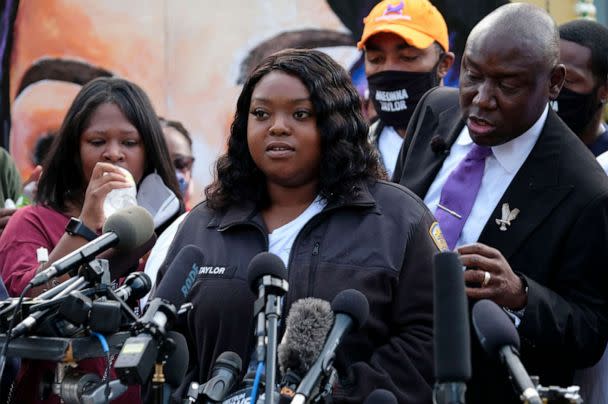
437	237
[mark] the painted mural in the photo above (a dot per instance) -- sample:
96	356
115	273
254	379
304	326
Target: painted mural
190	56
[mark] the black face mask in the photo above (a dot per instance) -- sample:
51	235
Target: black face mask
395	94
576	109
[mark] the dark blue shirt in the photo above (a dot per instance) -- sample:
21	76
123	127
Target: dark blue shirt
600	145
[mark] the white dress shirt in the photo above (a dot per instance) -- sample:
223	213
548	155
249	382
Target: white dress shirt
389	145
500	169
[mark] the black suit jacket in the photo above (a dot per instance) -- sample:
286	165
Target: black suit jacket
559	243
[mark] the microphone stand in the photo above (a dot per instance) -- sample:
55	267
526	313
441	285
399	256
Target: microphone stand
273	313
158	383
277	288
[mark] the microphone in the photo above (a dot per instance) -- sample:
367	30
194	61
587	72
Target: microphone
381	396
267	275
177	363
438	145
180	276
308	323
451	334
123	262
224	377
264	270
351	310
139	353
30	321
499	338
126	229
135	286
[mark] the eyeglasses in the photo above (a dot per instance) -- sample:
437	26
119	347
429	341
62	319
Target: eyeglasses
183	162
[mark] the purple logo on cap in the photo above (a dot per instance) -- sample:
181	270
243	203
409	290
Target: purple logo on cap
390	9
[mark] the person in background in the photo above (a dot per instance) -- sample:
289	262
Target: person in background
300	180
406	54
581	105
10	187
519	196
110	124
584	52
179	143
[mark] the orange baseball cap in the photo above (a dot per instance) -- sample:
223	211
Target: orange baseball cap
418	22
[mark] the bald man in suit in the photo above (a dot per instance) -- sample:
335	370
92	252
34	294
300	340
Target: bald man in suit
535	236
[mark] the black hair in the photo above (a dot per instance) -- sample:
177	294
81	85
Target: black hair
347	157
62	179
70	71
42	147
178	126
594	36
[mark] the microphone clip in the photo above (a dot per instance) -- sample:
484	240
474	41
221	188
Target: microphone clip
96	272
439	145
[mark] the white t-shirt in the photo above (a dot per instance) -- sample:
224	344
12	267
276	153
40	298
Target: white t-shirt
282	238
159	253
603	160
389	144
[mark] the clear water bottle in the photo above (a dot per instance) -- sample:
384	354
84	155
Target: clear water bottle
122	197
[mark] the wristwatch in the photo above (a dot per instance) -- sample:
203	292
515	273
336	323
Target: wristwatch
76	228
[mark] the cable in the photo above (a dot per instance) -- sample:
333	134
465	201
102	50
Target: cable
8	332
106	349
256	382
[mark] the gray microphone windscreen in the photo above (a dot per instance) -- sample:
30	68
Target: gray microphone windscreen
133	225
494	328
308	322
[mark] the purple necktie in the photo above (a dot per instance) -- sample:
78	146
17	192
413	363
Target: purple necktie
459	192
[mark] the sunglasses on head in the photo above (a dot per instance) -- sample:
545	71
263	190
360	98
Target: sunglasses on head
183	162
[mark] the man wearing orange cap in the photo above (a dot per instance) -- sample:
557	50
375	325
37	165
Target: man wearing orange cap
406	54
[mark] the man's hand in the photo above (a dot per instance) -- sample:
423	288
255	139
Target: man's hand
5	214
504	287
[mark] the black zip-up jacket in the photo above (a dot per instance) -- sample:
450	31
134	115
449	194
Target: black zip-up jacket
380	243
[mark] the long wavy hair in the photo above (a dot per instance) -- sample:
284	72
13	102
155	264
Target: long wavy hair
347	157
62	179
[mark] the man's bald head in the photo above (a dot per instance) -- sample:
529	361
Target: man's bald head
510	70
520	23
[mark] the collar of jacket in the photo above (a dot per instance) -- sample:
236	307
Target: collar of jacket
249	214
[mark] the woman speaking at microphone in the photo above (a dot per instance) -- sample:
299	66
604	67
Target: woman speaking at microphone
299	179
111	125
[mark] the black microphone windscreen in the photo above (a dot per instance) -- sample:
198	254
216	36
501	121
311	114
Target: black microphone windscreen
177	363
265	263
494	328
381	396
179	277
353	303
133	226
452	340
139	283
230	359
308	322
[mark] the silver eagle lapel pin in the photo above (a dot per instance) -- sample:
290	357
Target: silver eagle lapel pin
507	216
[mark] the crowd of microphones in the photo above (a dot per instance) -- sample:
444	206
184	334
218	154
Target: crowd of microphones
88	317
